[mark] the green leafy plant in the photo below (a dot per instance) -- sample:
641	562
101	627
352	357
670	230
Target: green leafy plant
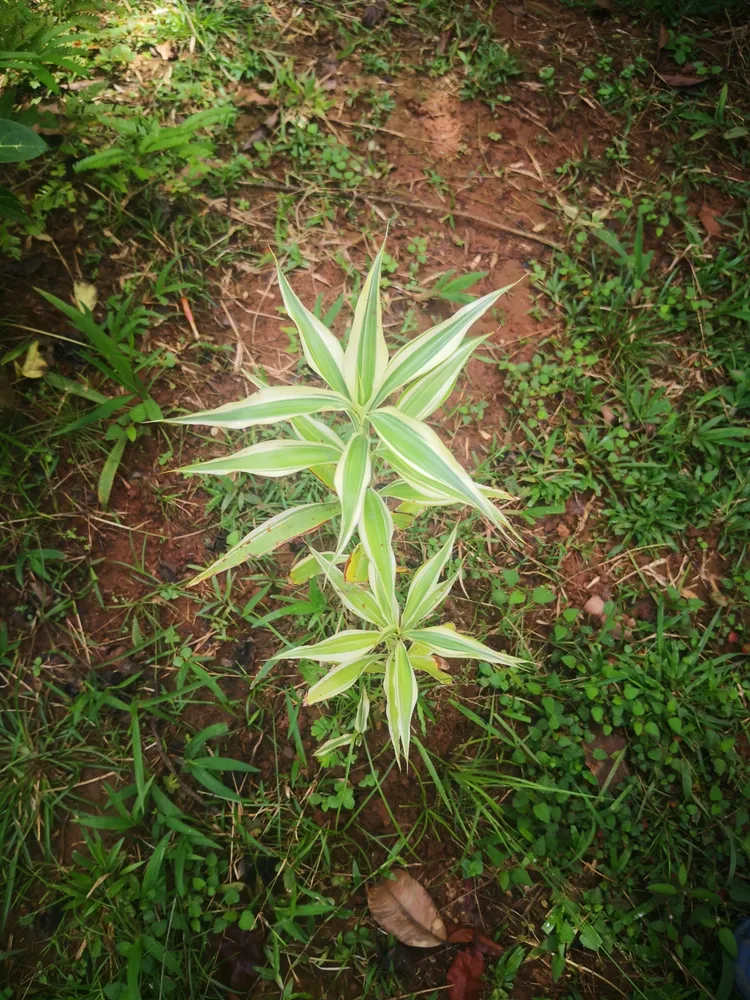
375	439
18	143
147	150
112	352
41	50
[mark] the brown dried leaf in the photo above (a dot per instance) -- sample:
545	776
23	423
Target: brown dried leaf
594	606
612	745
710	222
405	909
241	954
461	934
245	96
464	978
663	40
166	50
681	81
374	14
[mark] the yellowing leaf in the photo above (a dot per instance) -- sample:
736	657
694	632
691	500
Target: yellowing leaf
33	365
357	565
85	295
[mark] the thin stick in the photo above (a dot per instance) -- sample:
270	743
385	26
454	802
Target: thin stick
379	128
459	214
388	199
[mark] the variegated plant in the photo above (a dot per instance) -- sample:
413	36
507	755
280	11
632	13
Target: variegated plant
373	439
399	644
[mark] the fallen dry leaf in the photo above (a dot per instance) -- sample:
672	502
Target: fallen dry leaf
458	934
405	909
464	977
680	81
664	67
644	609
33	365
594	606
611	745
85	295
245	96
710	221
663	39
263	131
166	50
374	14
241	954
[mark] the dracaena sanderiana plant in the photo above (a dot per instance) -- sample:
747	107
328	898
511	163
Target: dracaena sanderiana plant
400	644
379	404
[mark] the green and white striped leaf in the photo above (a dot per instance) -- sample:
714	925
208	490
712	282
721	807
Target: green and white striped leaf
366	355
417	447
399	489
363	712
309	429
431	348
338	680
448	643
376	532
429	392
269	458
420	483
268	406
343	647
322	350
308	566
361	602
336	743
401	692
270	534
351	480
357	569
425	586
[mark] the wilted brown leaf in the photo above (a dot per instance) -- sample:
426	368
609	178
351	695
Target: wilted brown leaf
166	50
681	81
594	606
613	746
710	222
459	934
263	131
663	40
241	954
374	14
245	96
405	909
680	77
464	978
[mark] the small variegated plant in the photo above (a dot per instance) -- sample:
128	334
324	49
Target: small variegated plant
400	644
379	446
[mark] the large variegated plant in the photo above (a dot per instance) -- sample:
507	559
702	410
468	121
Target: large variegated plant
379	446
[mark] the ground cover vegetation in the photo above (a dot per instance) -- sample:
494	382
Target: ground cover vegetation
185	808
